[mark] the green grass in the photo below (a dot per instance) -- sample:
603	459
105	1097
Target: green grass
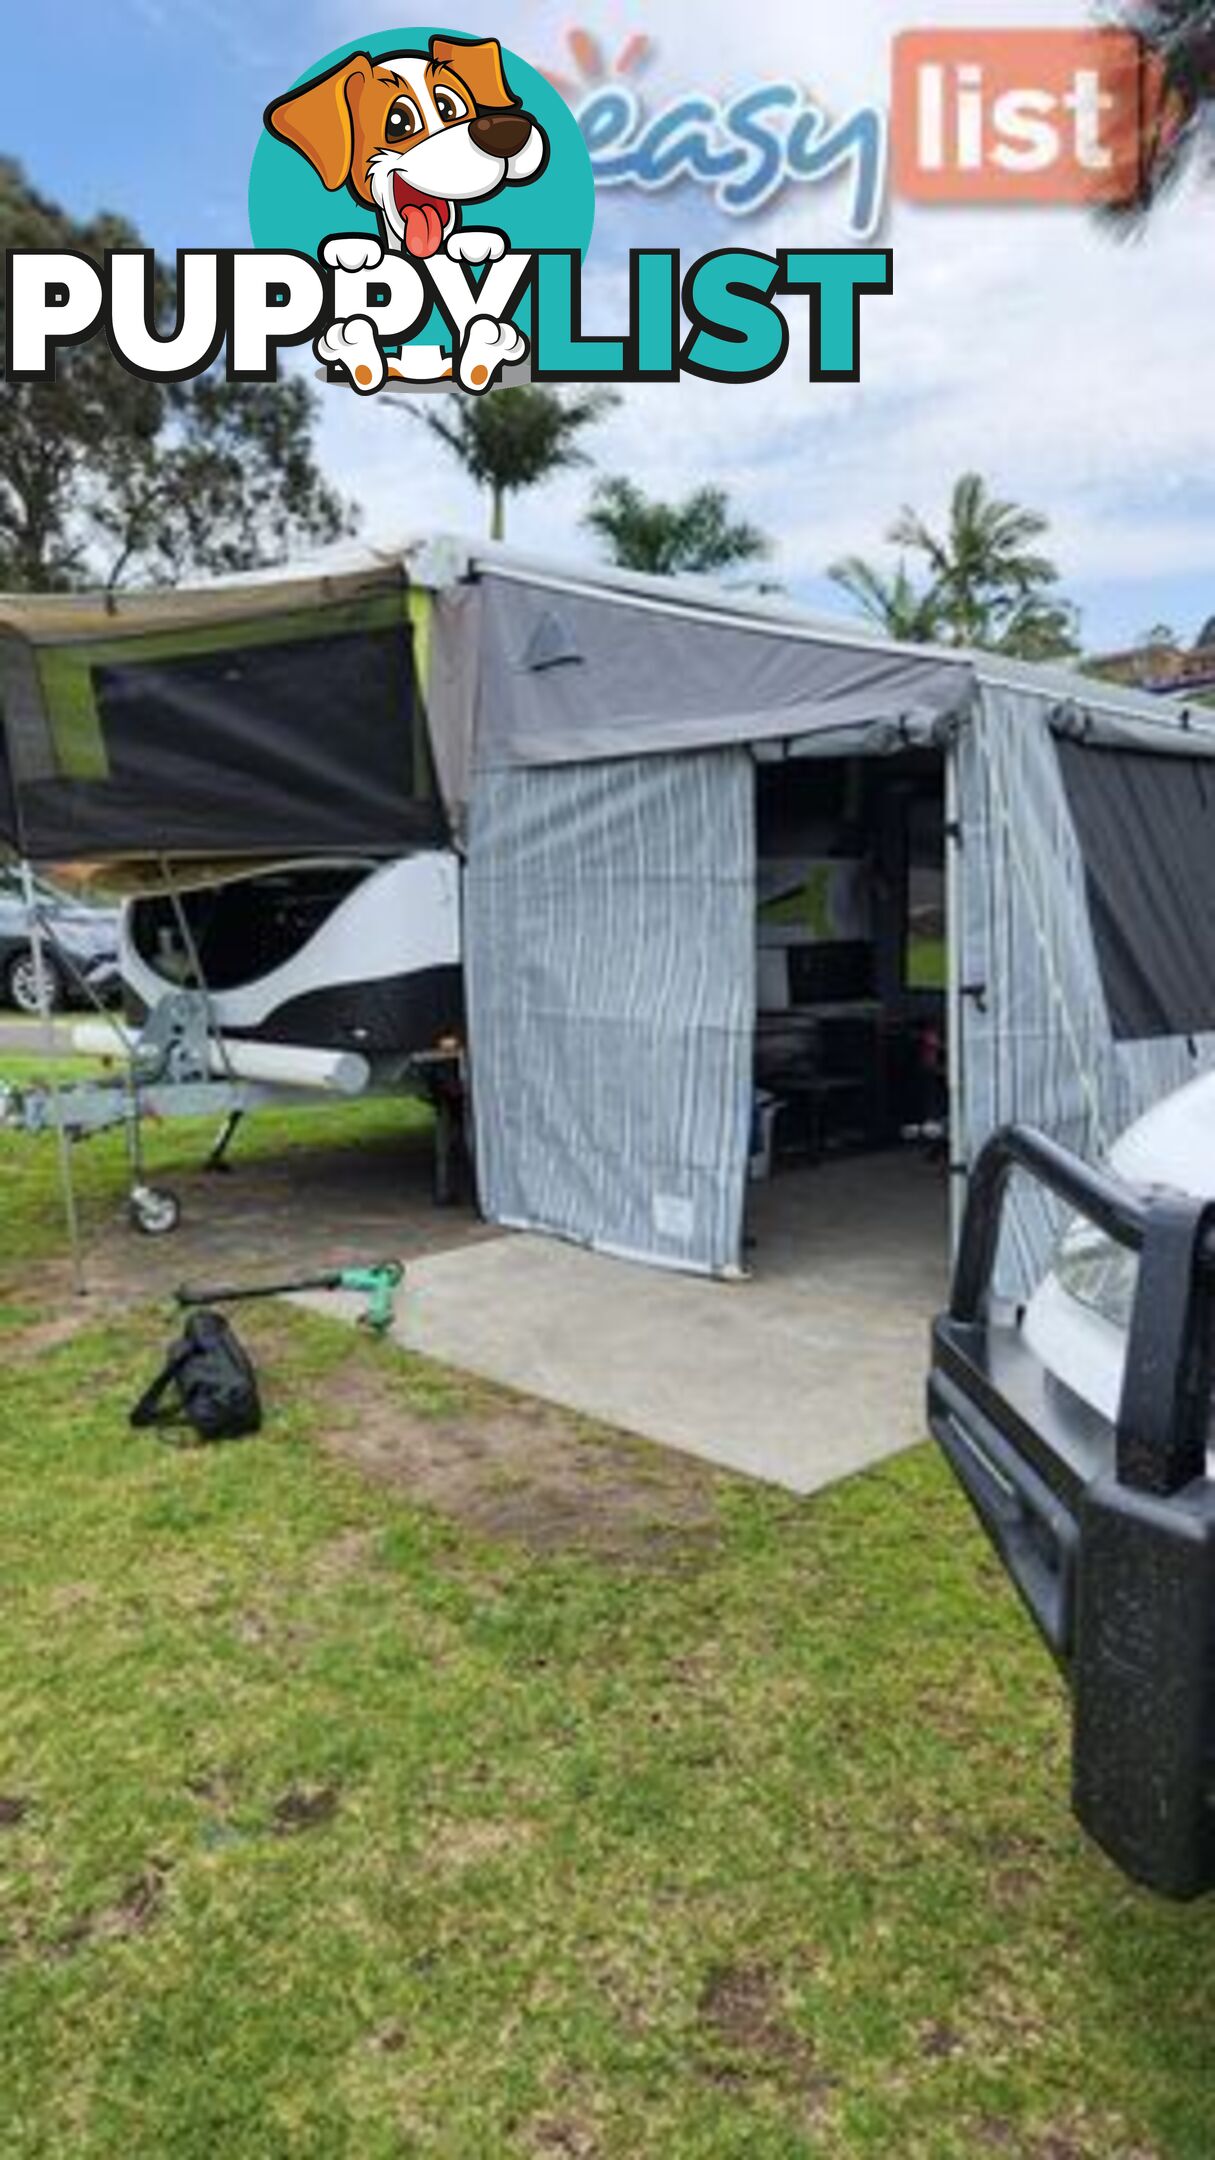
32	1213
345	1832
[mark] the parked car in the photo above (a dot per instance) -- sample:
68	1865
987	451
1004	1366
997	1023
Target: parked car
79	946
1081	1428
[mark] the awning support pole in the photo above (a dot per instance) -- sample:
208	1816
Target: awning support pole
67	1182
958	1137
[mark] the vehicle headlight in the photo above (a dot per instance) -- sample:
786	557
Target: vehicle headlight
1098	1272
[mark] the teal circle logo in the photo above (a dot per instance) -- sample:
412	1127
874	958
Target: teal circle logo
454	86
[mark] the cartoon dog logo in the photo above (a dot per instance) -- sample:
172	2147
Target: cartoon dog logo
416	137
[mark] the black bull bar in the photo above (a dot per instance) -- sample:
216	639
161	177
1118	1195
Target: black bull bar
1107	1529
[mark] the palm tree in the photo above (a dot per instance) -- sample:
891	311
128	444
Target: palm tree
1039	628
513	439
663	539
1179	37
914	618
988	584
983	564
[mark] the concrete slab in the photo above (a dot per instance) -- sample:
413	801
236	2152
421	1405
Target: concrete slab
809	1371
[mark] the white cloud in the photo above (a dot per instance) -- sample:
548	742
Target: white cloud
1026	344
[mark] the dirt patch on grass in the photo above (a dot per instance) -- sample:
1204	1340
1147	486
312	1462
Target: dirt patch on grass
939	2041
563	2138
739	2007
215	1788
390	2040
523	1472
44	1310
748	2038
321	1198
1098	2139
743	2019
1095	2141
132	1913
350	1553
13	1811
502	1466
304	1808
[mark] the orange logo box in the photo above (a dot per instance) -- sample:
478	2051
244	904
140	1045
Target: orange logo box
1032	116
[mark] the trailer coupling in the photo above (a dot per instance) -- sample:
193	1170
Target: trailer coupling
1107	1528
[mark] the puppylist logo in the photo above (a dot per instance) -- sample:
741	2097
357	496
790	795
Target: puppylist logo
421	206
454	169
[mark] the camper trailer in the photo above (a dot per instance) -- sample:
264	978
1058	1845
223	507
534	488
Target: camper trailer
707	881
248	763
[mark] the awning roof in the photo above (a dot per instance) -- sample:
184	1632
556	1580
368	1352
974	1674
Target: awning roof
566	678
442	562
575	665
524	662
345	572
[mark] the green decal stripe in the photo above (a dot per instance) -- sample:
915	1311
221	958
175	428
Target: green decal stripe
75	723
421	617
420	609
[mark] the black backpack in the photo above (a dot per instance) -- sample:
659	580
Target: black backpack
212	1380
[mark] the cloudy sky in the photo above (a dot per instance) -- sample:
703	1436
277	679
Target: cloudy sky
1073	372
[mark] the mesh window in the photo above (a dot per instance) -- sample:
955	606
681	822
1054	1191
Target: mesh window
289	736
1146	827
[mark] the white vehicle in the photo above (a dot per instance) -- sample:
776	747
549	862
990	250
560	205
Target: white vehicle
1077	1320
1081	1432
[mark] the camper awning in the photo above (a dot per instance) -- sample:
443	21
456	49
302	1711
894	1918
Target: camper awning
535	664
260	720
566	679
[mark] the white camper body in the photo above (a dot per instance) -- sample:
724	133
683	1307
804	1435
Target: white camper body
322	977
333	956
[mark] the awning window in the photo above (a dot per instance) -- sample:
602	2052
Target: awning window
1146	827
285	733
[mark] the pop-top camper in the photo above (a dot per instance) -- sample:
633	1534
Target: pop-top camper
249	764
661	850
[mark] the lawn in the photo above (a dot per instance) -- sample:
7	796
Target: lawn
32	1222
537	1796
